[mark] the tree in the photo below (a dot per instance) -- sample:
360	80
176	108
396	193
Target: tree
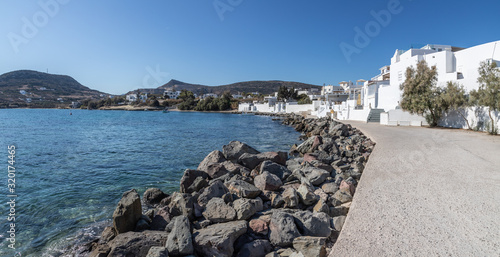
420	93
304	99
282	93
155	103
187	98
454	98
488	94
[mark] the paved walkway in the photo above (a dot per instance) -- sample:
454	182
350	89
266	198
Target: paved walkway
425	192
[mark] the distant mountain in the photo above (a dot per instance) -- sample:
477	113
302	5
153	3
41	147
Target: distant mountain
264	87
18	86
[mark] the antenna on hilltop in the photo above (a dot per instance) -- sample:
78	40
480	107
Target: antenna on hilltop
47	70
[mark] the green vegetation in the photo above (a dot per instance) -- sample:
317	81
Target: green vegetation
420	93
304	99
285	93
215	104
488	94
454	98
188	102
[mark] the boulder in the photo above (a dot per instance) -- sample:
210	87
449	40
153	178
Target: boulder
307	197
246	208
136	243
279	170
107	235
338	222
341	196
127	212
157	251
330	188
339	130
235	149
216	170
192	180
181	204
315	175
179	241
218	239
218	211
310	246
253	160
310	145
216	189
282	229
161	219
313	224
290	197
243	189
268	182
235	168
259	226
257	248
153	196
213	157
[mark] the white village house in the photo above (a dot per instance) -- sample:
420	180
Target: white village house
377	100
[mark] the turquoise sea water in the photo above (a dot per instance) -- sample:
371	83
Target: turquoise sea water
72	169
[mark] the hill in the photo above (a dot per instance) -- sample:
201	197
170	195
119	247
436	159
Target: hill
23	85
264	87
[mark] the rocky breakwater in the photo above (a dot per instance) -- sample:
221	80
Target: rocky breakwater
240	202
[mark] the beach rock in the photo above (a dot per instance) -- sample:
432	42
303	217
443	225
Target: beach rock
213	157
136	243
216	189
310	246
330	188
234	168
338	211
348	184
338	222
216	170
339	130
153	196
257	248
315	175
267	182
341	196
246	208
128	212
142	225
282	229
218	211
279	170
181	204
313	224
107	235
306	196
277	200
157	251
101	250
235	149
310	157
179	241
218	239
310	145
321	206
253	160
259	226
243	189
193	180
321	194
290	197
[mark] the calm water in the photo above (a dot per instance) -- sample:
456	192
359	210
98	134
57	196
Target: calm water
72	170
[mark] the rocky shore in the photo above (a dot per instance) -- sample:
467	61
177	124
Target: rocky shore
241	202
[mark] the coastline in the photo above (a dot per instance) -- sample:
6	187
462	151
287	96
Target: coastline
247	194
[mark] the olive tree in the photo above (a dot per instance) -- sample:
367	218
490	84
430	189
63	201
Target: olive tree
454	98
420	93
488	93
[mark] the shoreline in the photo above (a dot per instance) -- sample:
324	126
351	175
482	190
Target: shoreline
247	195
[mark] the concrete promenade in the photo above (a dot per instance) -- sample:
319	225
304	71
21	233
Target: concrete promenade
425	192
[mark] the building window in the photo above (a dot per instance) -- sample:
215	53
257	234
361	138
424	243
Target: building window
460	75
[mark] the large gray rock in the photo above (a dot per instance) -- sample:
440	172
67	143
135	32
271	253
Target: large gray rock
153	196
235	149
310	246
279	170
190	181
339	130
235	168
268	182
161	219
253	160
341	196
315	175
246	208
218	211
338	222
310	145
157	251
313	224
243	189
212	158
290	197
218	239
136	243
179	241
181	204
216	189
282	229
257	248
127	212
307	197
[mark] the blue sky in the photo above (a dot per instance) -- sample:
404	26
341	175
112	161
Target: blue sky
117	46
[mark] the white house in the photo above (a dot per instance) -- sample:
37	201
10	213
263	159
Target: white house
209	95
171	94
131	97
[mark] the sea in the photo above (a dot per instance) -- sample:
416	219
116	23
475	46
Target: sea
70	167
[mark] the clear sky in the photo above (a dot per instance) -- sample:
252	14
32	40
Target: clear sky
117	46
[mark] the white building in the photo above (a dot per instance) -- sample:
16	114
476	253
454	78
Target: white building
171	94
22	92
131	97
209	95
